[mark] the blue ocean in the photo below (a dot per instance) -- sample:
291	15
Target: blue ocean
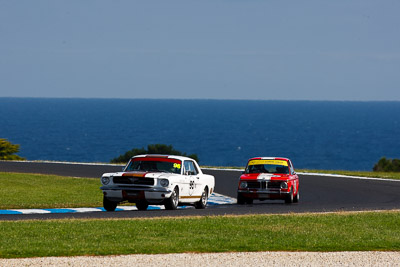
314	134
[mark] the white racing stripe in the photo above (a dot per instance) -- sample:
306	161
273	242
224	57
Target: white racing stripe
84	209
29	211
127	208
218	199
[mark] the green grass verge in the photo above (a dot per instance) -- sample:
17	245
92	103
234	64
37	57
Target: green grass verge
22	191
369	231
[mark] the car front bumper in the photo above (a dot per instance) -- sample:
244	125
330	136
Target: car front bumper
122	193
264	194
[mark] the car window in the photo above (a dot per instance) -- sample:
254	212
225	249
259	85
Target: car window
172	166
190	167
267	168
291	167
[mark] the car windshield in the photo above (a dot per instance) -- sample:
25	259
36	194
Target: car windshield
267	166
154	165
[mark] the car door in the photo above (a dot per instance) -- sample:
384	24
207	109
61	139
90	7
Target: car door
293	176
192	175
187	179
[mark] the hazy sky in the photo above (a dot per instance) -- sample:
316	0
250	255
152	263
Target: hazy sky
219	49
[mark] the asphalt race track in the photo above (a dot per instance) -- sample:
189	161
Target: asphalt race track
317	193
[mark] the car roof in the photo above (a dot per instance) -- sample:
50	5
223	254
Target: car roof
162	156
273	158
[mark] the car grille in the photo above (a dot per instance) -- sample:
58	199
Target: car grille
133	180
263	184
254	184
274	185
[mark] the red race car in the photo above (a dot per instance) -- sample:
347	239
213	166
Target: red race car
268	178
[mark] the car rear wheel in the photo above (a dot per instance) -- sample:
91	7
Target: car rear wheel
142	205
172	202
109	205
202	203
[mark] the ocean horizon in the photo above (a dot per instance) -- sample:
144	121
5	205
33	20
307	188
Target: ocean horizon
348	135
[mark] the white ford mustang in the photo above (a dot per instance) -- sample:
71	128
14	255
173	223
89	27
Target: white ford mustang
160	180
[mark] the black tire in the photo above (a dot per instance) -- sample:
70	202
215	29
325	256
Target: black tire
109	205
297	197
240	199
289	197
202	203
172	202
243	200
142	205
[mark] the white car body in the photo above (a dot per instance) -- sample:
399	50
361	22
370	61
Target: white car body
158	179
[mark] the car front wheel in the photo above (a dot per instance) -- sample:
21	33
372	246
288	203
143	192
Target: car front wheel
240	199
289	197
109	205
142	205
297	197
243	200
172	202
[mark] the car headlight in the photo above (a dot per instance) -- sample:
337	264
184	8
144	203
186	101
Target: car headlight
243	184
284	185
105	180
164	182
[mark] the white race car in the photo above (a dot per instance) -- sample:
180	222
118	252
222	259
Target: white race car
160	180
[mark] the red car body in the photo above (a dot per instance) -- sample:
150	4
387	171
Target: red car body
269	178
